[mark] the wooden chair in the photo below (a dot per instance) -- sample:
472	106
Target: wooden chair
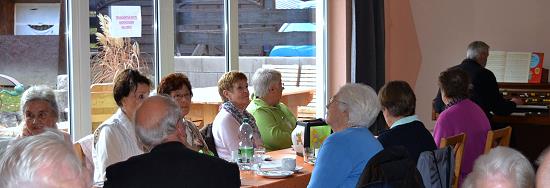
500	137
457	142
79	153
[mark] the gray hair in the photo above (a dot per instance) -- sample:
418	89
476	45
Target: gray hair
543	173
505	162
35	161
154	135
361	102
39	92
475	49
262	80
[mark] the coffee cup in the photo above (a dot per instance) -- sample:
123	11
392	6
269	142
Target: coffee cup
288	164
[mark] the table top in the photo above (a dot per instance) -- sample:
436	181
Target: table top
210	95
300	179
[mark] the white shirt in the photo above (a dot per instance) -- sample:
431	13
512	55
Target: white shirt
116	142
225	130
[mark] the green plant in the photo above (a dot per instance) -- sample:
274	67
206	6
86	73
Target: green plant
115	54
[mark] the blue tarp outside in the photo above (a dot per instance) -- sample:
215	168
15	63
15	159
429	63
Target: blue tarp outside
293	51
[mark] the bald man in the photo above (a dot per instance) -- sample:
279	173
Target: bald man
168	163
543	173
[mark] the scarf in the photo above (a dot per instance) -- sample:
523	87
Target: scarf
239	116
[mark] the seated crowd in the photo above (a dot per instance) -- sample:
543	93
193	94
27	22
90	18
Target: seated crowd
149	143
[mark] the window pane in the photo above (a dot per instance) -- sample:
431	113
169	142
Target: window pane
280	34
32	52
199	45
128	42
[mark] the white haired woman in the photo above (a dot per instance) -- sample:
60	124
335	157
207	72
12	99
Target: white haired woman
40	111
501	167
345	153
273	118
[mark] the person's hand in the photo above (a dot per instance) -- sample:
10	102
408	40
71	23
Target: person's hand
26	132
518	101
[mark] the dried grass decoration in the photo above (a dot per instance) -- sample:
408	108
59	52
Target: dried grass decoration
115	54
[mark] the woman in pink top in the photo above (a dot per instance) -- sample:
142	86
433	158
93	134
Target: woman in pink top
461	115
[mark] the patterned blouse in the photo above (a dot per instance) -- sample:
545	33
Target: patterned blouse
195	141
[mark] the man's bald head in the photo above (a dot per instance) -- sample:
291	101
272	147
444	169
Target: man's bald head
543	173
156	119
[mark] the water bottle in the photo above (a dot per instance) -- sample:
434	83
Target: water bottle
246	149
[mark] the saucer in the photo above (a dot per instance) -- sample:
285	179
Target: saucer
275	173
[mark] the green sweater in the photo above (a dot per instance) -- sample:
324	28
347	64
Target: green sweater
275	123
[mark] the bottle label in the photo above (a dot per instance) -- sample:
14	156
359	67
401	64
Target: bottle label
245	154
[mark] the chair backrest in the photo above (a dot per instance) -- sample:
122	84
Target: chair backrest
390	167
206	133
500	137
436	167
457	142
79	153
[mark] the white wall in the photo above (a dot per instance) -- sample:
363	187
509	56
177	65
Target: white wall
445	27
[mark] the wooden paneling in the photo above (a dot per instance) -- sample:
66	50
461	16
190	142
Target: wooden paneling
7	8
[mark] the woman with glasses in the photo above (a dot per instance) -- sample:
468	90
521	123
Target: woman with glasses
344	154
233	89
177	86
115	139
40	111
275	121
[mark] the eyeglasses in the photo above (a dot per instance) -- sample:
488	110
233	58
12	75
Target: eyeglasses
332	100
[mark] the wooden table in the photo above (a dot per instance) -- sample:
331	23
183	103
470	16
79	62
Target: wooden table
297	180
206	101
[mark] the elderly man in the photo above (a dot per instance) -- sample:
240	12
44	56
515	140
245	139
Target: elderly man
44	160
543	173
501	167
483	84
168	163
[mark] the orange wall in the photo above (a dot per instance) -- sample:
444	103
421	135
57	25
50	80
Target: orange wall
339	40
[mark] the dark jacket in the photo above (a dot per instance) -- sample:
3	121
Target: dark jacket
483	91
413	136
173	165
390	167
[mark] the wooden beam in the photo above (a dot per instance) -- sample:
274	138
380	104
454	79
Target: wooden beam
7	10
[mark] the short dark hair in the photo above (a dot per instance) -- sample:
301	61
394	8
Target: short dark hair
398	98
127	81
454	82
174	82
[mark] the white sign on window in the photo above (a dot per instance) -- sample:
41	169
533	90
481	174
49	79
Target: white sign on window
126	21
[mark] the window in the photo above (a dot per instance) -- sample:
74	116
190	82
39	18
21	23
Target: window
32	52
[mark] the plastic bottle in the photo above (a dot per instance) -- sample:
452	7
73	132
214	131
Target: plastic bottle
246	148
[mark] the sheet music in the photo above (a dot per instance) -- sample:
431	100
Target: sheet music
517	67
496	63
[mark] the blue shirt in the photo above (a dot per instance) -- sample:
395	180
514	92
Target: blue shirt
404	120
343	157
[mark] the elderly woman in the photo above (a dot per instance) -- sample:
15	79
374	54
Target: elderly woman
501	167
405	129
345	153
461	115
40	111
177	86
233	89
275	121
115	139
